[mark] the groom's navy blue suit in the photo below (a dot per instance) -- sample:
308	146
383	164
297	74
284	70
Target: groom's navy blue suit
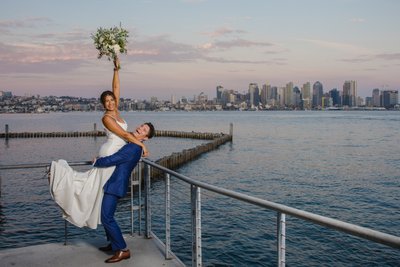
116	187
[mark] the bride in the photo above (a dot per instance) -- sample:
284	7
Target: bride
79	194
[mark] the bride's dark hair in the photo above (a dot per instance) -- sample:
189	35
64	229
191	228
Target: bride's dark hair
104	94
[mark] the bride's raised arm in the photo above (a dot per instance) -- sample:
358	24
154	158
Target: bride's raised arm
115	82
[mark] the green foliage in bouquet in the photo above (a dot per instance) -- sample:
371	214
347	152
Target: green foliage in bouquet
111	42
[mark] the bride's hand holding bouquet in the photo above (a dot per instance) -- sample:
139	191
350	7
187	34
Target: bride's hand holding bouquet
117	65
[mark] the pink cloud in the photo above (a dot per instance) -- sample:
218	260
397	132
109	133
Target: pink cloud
23	23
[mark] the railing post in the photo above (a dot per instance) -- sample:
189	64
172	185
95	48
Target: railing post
196	226
148	205
140	165
281	225
167	217
65	232
132	206
136	181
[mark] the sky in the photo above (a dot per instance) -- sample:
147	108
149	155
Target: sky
185	47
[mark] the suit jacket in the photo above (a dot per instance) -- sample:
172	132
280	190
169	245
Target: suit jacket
125	160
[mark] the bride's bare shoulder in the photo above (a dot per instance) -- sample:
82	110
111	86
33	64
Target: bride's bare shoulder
107	117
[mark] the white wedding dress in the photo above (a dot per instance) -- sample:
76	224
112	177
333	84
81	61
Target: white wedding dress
79	194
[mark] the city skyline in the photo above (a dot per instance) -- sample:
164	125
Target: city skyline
186	47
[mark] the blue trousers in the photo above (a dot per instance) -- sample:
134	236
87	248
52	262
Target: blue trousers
113	232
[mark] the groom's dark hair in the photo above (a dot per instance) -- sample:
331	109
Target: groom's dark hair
152	131
104	94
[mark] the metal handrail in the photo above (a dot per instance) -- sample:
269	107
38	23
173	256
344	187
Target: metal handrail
41	165
363	232
74	163
352	229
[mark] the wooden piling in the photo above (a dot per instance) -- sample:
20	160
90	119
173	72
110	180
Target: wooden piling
172	161
6	133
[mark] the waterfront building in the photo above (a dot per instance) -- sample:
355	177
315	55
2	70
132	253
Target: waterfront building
349	93
296	98
317	94
273	93
232	97
289	94
202	98
389	98
306	95
5	95
326	101
368	101
336	97
360	101
220	90
228	97
263	94
376	102
281	96
254	95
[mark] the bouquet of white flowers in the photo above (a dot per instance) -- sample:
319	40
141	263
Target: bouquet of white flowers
110	42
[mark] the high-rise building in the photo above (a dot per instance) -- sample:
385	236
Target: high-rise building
368	101
289	94
306	95
263	94
326	100
349	93
336	99
390	98
272	94
281	96
254	94
317	94
376	102
296	97
220	89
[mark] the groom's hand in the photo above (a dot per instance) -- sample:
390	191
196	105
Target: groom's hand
145	152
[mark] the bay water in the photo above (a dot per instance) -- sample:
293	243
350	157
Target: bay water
340	164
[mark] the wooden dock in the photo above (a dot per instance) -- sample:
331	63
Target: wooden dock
175	160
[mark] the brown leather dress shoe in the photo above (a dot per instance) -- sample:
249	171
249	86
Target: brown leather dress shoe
119	256
106	248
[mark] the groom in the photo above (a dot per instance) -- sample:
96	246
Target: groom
116	187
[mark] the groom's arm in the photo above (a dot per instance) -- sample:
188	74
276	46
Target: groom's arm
121	156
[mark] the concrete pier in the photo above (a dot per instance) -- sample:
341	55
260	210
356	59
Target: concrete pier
144	253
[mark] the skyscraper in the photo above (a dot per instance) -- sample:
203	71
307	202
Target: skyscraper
376	102
254	94
349	93
281	96
390	98
306	95
317	94
220	89
263	95
335	95
296	97
289	94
